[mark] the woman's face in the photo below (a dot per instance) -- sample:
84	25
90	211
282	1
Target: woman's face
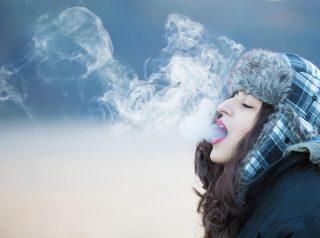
238	117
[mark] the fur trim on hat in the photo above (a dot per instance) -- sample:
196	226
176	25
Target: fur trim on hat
263	74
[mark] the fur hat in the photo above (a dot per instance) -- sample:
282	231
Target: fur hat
292	85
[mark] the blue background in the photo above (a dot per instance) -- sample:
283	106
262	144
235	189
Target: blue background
137	26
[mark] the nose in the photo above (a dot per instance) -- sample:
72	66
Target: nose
225	108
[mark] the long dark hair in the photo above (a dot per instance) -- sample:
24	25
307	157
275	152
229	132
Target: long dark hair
222	214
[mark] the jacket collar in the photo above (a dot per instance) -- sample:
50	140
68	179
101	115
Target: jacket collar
279	169
312	147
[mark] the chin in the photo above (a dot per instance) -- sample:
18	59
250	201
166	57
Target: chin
217	159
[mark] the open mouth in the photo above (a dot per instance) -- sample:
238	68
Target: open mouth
220	132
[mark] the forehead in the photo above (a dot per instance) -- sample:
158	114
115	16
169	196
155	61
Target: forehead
249	97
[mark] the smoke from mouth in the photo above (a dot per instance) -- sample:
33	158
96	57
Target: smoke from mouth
69	71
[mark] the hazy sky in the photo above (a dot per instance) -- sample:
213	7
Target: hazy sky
136	27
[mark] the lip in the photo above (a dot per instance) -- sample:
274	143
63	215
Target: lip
221	123
216	141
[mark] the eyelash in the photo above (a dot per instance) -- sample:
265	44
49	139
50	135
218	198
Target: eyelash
246	106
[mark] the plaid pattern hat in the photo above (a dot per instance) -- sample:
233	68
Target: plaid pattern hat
292	85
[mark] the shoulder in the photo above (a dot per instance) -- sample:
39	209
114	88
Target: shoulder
300	226
291	203
292	179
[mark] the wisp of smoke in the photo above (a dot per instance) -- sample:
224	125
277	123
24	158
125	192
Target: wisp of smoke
68	71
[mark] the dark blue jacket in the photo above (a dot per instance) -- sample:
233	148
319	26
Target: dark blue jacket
285	200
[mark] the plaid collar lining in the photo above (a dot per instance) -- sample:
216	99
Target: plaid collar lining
304	100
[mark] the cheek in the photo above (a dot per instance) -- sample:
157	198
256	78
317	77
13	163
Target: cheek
247	125
245	129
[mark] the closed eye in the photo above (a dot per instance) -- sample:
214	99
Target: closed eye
246	105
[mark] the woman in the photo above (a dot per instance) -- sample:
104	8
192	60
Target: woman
262	179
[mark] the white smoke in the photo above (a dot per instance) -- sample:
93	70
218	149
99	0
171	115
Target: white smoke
73	54
75	35
182	84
